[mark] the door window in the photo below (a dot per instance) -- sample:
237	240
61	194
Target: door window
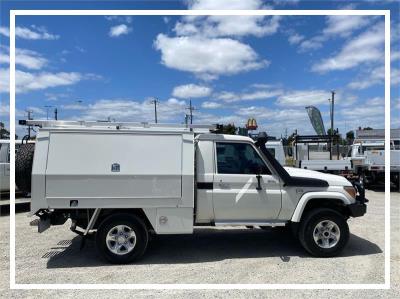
239	158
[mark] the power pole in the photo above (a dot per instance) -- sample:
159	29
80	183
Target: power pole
29	127
155	102
191	108
332	110
55	114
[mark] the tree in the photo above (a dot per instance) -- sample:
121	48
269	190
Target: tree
229	129
4	133
367	128
350	135
290	139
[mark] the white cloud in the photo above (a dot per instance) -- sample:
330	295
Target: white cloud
218	26
363	112
133	110
36	81
4	110
369	78
345	25
118	30
222	26
377	101
210	105
33	33
313	43
191	91
262	94
303	98
36	110
29	59
365	48
25	58
342	26
395	76
394	55
295	38
126	19
207	58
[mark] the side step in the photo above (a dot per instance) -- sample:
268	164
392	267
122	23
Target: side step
250	223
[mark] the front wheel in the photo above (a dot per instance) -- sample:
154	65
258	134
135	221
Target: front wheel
324	232
122	238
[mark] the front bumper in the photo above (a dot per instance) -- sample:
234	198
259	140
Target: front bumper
359	208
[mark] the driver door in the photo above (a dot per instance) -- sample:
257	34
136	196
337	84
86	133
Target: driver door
235	194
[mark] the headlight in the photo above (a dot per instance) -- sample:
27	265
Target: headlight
351	191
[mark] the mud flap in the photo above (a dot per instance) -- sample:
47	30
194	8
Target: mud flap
43	225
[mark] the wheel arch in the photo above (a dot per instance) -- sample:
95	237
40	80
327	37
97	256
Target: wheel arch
334	200
106	213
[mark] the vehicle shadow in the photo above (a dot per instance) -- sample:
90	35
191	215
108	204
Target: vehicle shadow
205	245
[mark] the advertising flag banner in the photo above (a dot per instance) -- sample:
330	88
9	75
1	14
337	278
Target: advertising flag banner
316	120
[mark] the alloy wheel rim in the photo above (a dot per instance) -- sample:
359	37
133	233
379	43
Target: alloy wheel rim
121	239
326	234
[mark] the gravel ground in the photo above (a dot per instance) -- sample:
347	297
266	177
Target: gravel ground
210	255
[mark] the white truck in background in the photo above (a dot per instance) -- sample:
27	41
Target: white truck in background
275	148
368	160
5	163
315	152
367	156
124	181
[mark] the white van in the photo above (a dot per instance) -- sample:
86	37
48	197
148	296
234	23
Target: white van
123	181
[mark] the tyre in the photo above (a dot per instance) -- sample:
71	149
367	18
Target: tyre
323	232
122	238
23	167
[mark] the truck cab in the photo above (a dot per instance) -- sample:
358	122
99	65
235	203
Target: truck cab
243	189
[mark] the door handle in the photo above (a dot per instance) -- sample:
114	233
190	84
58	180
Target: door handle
223	185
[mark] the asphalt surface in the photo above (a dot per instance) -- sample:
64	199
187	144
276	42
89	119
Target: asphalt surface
210	255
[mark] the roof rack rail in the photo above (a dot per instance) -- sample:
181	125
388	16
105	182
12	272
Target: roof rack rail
113	125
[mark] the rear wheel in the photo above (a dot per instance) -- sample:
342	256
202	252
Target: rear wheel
122	238
324	232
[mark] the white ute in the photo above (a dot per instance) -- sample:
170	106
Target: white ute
123	181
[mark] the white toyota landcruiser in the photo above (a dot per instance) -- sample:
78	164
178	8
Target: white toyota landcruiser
123	181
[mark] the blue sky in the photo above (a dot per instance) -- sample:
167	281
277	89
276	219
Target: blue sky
232	68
